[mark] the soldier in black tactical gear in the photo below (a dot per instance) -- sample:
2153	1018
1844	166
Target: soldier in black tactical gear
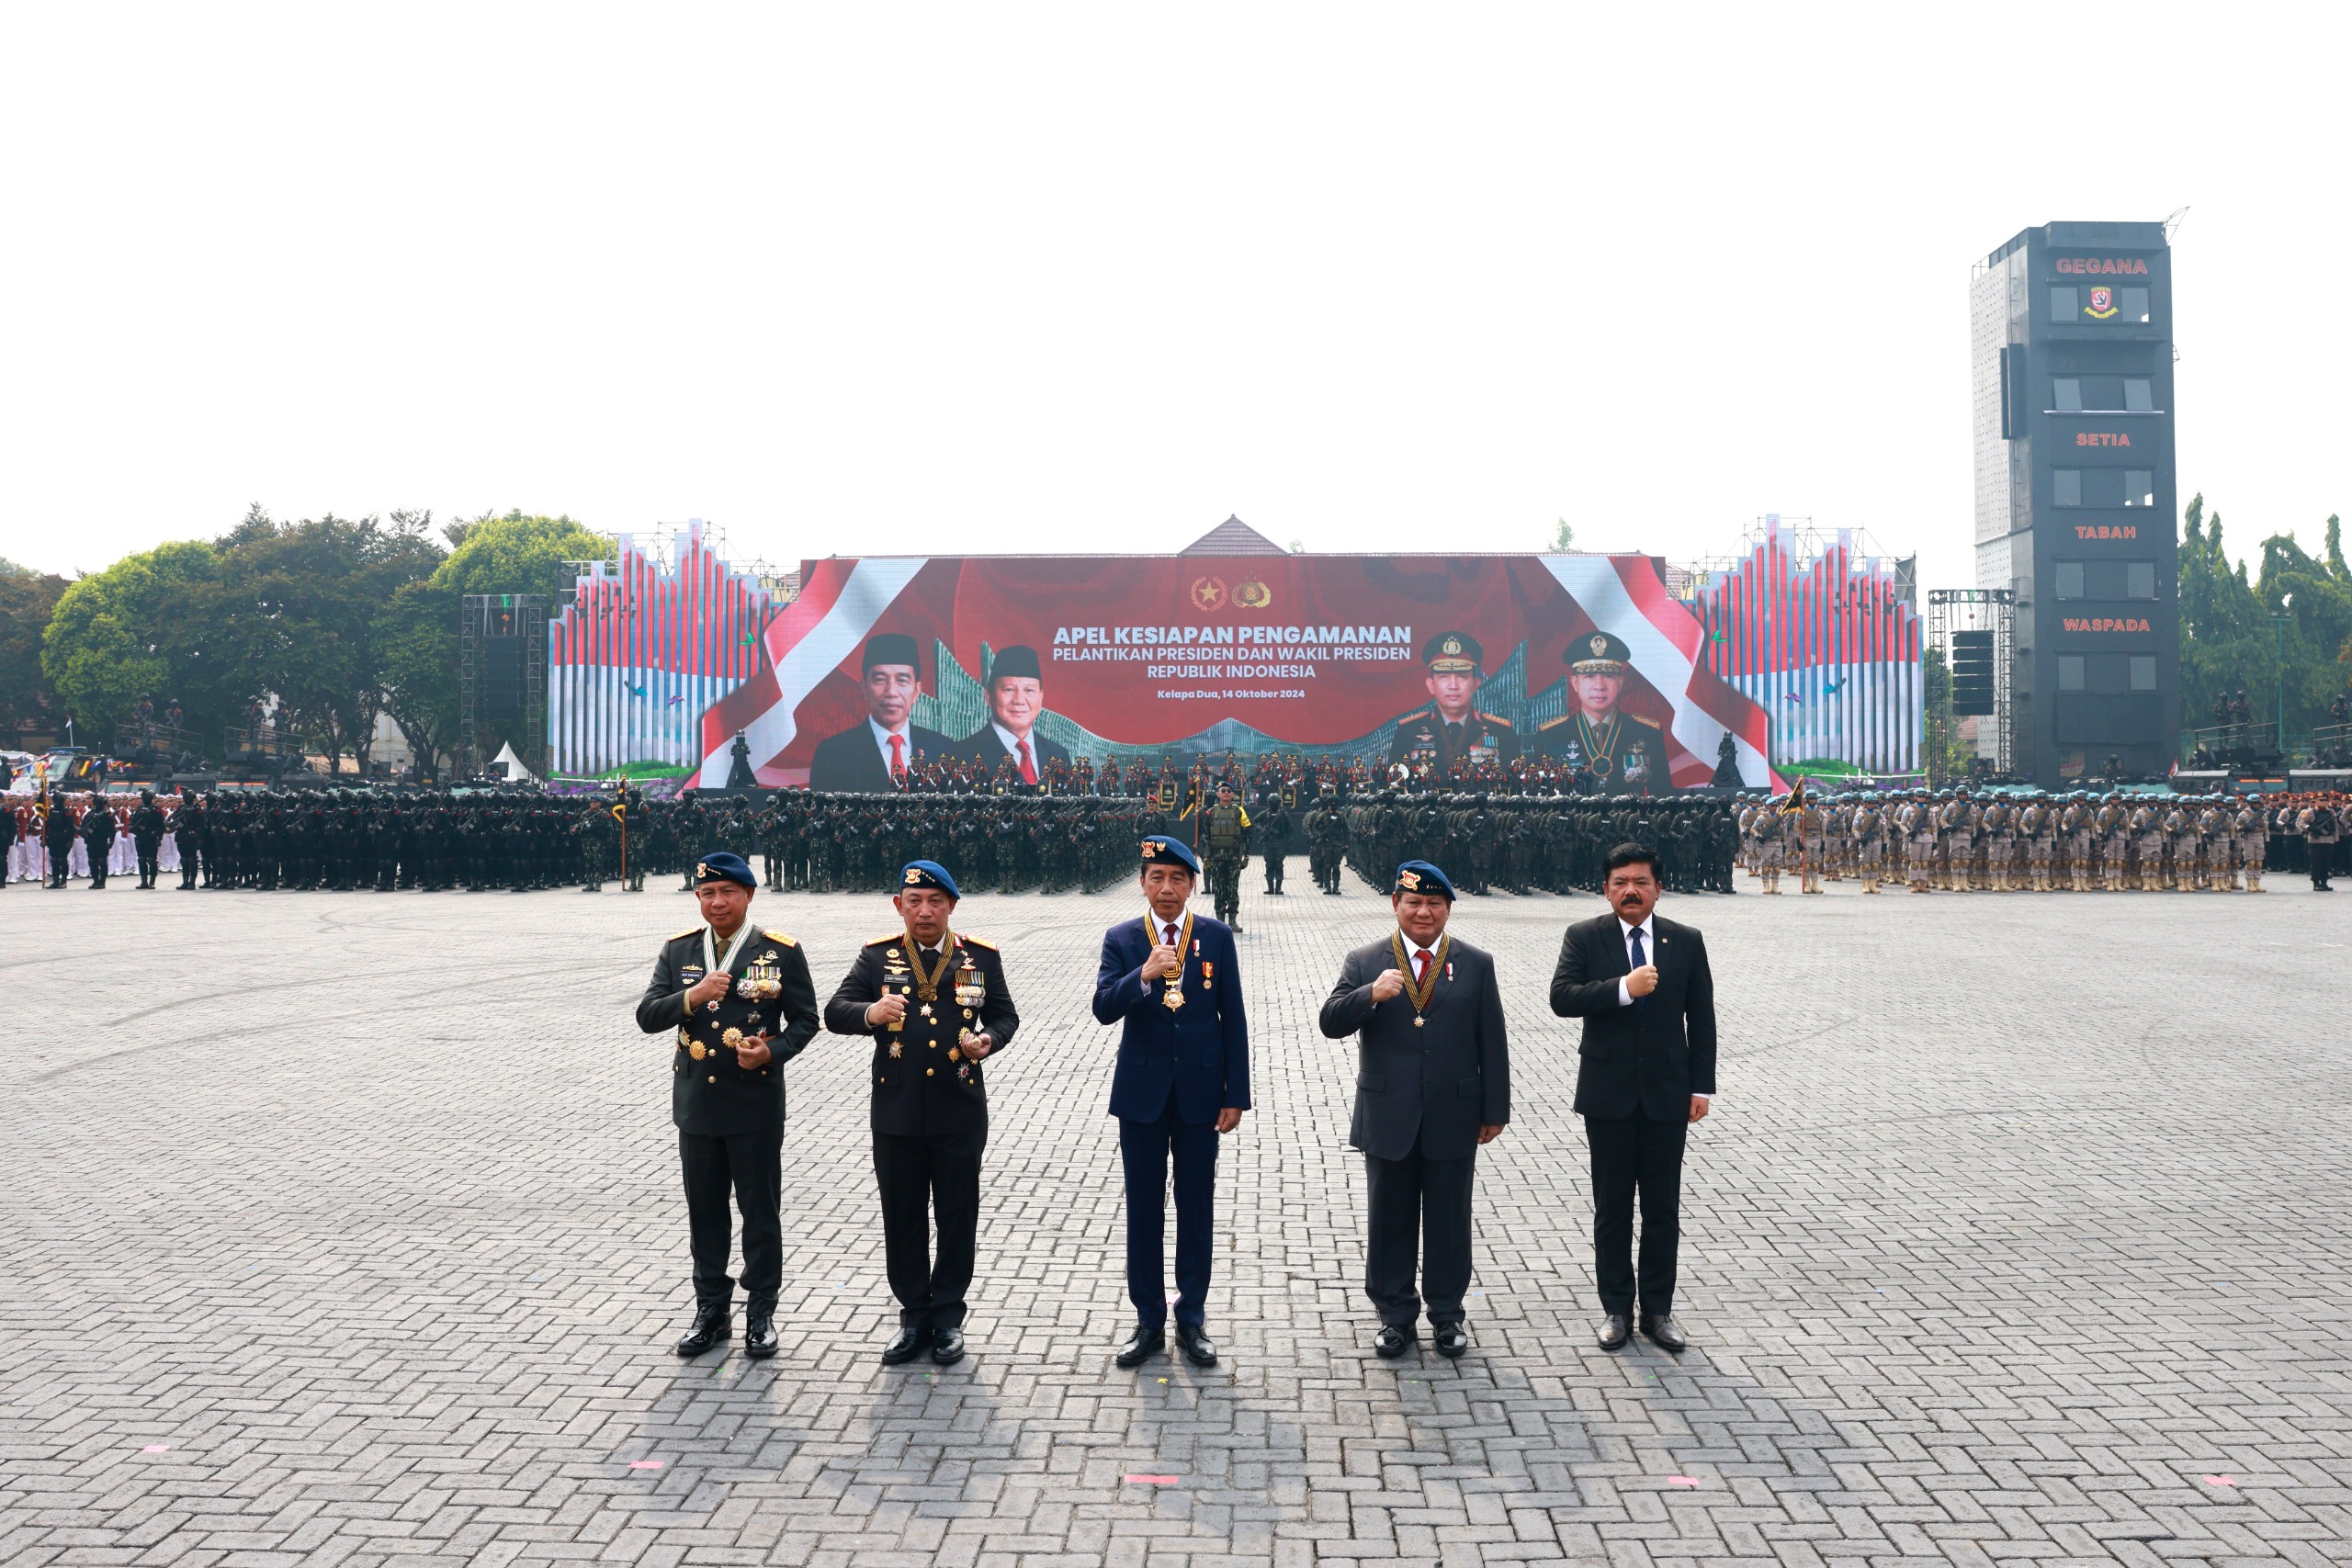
1274	826
147	837
97	840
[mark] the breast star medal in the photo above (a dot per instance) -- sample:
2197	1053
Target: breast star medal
897	1047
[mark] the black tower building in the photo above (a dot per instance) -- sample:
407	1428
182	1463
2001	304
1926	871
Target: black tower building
2071	339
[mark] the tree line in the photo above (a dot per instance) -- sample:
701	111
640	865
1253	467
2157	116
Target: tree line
2229	641
328	623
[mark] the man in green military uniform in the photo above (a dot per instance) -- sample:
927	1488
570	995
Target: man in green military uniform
1624	753
937	1004
741	1004
1451	729
1225	841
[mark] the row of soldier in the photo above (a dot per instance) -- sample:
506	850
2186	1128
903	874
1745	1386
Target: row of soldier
1955	840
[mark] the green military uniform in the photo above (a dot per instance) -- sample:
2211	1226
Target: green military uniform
1625	753
1427	738
729	1117
1225	841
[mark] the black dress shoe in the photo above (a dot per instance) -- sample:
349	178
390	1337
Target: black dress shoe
1141	1346
711	1328
947	1347
912	1341
1195	1344
759	1331
1452	1339
1664	1333
1616	1329
1392	1340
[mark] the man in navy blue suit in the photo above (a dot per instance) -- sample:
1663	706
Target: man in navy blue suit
1182	1082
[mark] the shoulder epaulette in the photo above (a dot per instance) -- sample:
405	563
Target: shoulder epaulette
773	935
1646	723
1494	719
1420	713
976	941
1553	723
690	930
878	940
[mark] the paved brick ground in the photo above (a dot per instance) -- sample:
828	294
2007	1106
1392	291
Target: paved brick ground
346	1228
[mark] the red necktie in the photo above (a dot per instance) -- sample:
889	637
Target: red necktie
1421	968
1028	766
897	755
1169	939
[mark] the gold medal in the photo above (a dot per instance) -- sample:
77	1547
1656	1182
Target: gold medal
697	1050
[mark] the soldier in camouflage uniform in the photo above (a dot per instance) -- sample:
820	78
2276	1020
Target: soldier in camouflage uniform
1225	841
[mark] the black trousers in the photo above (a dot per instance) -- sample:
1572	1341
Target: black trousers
750	1165
1635	1156
1145	1149
920	1176
1420	1216
1274	868
97	855
61	862
2322	860
148	868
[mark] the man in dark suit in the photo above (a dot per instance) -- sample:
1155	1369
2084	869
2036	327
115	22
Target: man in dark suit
1646	1070
871	758
935	1002
1182	1082
1016	693
743	1005
1432	1083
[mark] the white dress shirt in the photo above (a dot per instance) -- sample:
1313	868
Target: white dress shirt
1649	956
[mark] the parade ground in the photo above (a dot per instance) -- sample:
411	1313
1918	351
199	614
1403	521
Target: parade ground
347	1228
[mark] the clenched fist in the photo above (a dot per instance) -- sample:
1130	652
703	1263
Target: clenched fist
1389	984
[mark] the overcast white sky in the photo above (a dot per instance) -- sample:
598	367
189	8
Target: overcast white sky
1039	278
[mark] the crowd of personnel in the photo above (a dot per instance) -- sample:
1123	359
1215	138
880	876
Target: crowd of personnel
1956	840
1035	841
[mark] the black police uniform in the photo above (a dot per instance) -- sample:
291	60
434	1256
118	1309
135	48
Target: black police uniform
929	1111
730	1118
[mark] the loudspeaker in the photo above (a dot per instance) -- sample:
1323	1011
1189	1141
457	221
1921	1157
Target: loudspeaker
502	679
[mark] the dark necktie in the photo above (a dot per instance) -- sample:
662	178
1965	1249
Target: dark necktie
1452	739
1633	939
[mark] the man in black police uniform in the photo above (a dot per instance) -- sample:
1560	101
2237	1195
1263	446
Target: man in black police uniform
740	998
1645	1071
935	1002
147	837
1432	1084
97	838
1451	729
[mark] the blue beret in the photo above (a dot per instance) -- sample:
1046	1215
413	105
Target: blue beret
928	873
721	865
1420	876
1159	849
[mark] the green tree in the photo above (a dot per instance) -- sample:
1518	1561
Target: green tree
2226	643
2317	596
1564	538
418	632
26	601
516	553
111	638
300	607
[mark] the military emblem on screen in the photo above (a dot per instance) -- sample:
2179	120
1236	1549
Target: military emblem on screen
1252	596
2102	304
1208	592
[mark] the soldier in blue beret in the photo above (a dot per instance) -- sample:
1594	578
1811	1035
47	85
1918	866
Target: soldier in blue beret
934	1000
741	1001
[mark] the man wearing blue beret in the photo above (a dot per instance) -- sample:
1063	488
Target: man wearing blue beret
1171	980
1432	1084
935	1002
742	1002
